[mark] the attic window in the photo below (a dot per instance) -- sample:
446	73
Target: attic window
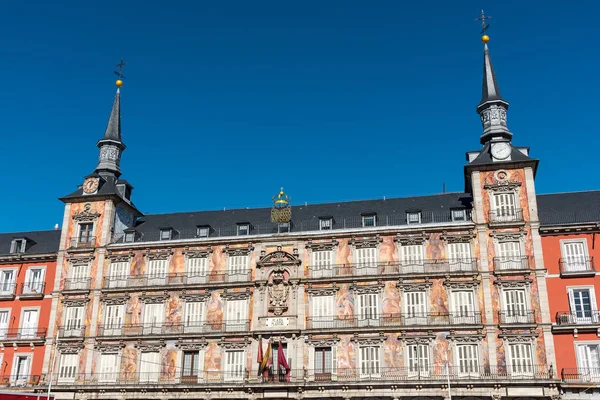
413	217
166	233
243	229
18	246
203	231
129	237
459	215
283	227
369	220
325	223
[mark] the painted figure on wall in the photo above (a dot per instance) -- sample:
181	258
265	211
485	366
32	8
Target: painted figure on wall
212	359
342	257
438	299
134	310
137	264
391	300
388	254
214	311
129	364
393	354
345	356
169	365
173	316
345	303
441	354
216	264
435	247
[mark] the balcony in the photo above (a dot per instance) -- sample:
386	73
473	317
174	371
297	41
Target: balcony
71	332
32	290
506	216
83	242
431	320
174	329
577	266
580	375
7	290
74	285
511	264
585	320
22	334
516	318
426	267
22	380
177	279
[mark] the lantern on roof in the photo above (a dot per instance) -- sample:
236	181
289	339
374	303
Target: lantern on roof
281	211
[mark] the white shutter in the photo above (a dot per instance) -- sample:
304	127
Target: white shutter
323	311
370	362
236	315
322	264
34	280
459	256
29	324
412	258
504	206
515	306
149	367
196	268
3	324
234	365
113	321
79	276
73	321
368	309
7	281
193	316
509	255
109	367
418	359
68	367
467	359
153	318
415	308
463	307
574	256
589	361
237	268
366	261
157	272
118	273
520	359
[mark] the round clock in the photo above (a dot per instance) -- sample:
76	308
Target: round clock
501	150
90	185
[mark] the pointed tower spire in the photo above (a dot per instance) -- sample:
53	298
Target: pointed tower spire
111	145
492	108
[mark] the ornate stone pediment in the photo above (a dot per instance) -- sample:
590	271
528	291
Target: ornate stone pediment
81	260
154	298
374	288
191	346
322	341
149	346
505	236
513	337
228	344
119	257
159	255
369	340
230	295
410	240
363	243
88	214
75	302
110	347
466	338
457	237
416	339
278	258
501	183
115	300
193	297
198	253
513	283
70	347
238	251
461	284
406	286
321	246
322	291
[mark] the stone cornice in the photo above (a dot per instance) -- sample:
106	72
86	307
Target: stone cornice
466	338
115	300
520	337
321	246
22	257
154	298
191	346
502	185
410	240
322	341
513	283
197	253
87	214
75	302
322	291
369	340
461	284
119	257
70	347
365	242
416	339
80	260
193	297
149	346
504	236
405	285
457	237
372	288
238	251
110	347
228	344
159	255
229	295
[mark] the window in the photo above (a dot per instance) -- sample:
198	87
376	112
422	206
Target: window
467	359
366	260
193	316
369	220
583	305
415	312
203	231
412	258
86	232
324	359
588	361
18	246
413	217
521	362
322	264
192	363
368	309
234	365
113	320
150	366
243	229
504	207
369	364
323	311
237	268
153	318
196	268
418	359
157	272
325	224
574	256
129	237
237	315
283	227
109	367
21	366
459	215
515	306
68	367
166	234
4	314
459	257
117	274
79	277
7	282
29	324
463	307
509	255
73	321
34	281
279	371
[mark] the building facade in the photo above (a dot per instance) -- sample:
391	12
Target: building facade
27	269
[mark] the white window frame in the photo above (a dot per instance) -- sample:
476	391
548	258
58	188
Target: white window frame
365	260
4	329
149	366
587	372
203	231
503	213
325	224
196	269
15	377
241	228
79	282
129	237
235	272
412	263
283	227
365	218
192	322
523	367
113	324
89	238
322	311
236	372
463	314
410	216
116	278
68	373
18	246
166	234
236	323
456	212
374	366
367	313
593	318
511	261
322	263
7	288
153	318
35	287
416	368
514	315
75	328
468	368
108	373
417	314
29	332
157	271
577	265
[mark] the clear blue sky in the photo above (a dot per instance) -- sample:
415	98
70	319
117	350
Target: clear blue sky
225	101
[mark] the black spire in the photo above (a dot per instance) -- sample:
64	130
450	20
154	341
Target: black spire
111	145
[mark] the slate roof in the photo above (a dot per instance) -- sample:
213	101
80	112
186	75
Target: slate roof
44	242
569	208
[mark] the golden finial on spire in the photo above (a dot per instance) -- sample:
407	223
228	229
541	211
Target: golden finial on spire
484	26
119	73
281	200
281	211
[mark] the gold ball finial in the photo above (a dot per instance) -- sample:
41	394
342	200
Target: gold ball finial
119	83
485	38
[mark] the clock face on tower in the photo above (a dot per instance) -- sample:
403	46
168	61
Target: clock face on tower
501	150
90	185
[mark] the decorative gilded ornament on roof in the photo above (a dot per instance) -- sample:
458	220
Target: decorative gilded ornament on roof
281	211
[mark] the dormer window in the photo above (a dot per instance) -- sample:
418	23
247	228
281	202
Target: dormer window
129	237
369	220
18	246
166	233
283	227
459	215
243	229
203	231
413	217
325	223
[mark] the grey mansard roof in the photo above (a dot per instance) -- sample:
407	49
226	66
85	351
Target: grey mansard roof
39	242
569	208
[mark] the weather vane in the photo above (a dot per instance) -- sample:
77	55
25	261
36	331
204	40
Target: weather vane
119	73
484	25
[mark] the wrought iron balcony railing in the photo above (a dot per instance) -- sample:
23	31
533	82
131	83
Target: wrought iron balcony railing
368	373
516	317
584	317
577	266
71	331
114	282
22	333
169	329
511	263
82	242
21	380
385	320
575	375
505	215
76	284
7	290
393	268
32	289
